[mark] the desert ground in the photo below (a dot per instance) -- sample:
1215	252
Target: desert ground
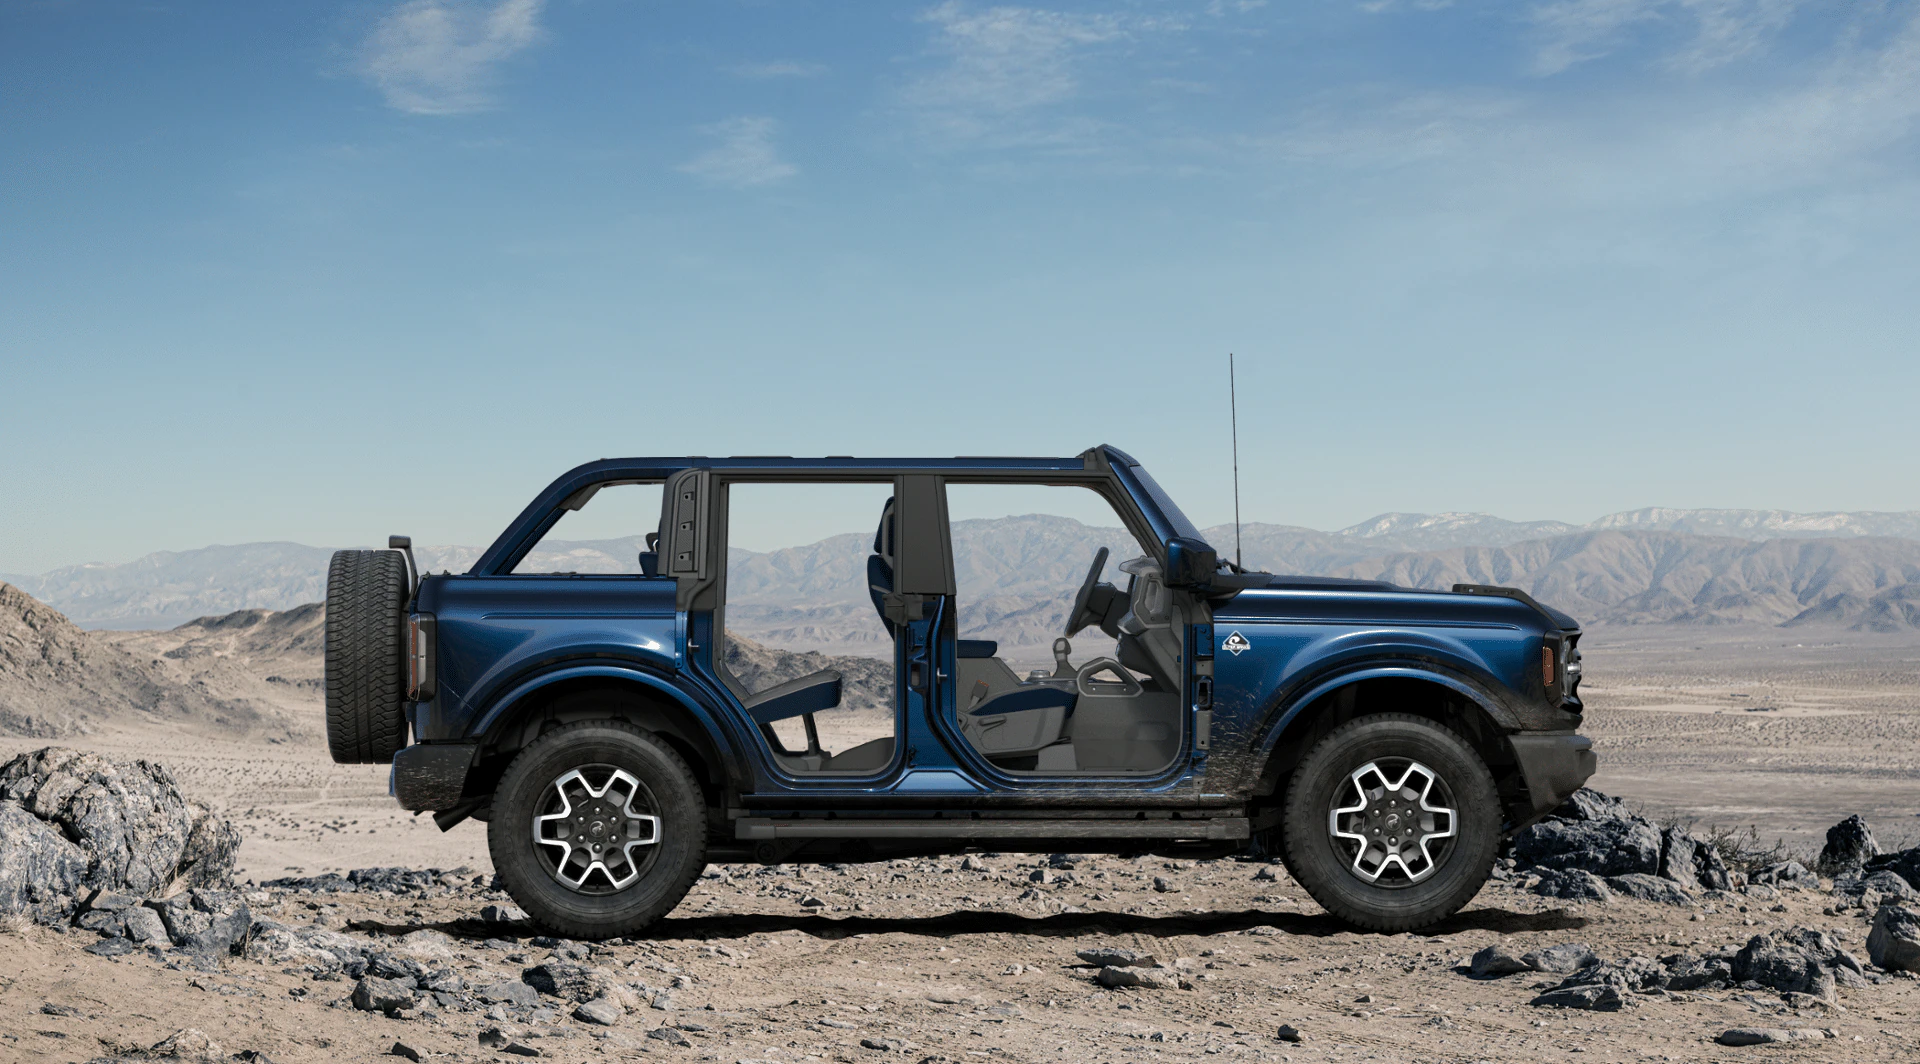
1787	730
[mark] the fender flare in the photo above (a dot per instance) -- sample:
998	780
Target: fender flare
501	711
1287	708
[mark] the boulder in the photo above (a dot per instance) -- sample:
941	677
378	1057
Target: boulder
1602	847
1894	942
1693	863
40	870
1496	961
509	992
1849	846
600	1011
1688	972
1655	889
1117	956
1903	863
1786	874
1782	966
1577	885
128	829
1869	889
374	994
570	982
1560	960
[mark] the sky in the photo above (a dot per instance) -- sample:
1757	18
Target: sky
325	271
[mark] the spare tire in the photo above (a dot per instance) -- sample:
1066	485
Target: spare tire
366	633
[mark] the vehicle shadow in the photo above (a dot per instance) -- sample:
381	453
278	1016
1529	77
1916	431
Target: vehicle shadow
978	922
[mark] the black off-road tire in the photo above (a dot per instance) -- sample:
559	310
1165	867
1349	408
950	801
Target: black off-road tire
1316	859
366	661
669	873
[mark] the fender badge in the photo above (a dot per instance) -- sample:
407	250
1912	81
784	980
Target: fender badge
1235	644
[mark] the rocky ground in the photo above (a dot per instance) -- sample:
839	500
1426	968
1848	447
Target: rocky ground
977	959
988	958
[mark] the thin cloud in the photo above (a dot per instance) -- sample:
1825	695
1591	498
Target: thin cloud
745	156
1006	59
1572	32
441	57
781	68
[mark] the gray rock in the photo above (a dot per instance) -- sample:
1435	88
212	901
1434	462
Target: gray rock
1496	961
1871	888
673	1036
1117	956
1785	874
1144	978
509	992
111	901
144	926
1594	833
374	994
40	870
111	947
224	934
599	1011
1783	967
401	1049
571	982
1688	972
1163	885
1755	1036
189	1044
1650	888
1575	885
503	914
103	923
1609	995
1290	1033
1560	960
1894	942
1903	863
1693	863
1849	845
139	833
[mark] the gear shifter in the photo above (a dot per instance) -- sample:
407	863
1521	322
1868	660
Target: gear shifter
1062	668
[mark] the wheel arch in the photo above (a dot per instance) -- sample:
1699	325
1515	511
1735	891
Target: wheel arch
1450	700
608	691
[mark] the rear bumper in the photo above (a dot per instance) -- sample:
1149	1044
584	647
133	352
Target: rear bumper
431	775
1554	764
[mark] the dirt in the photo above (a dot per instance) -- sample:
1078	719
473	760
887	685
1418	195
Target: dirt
947	963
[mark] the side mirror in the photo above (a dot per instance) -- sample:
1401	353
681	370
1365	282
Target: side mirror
1190	564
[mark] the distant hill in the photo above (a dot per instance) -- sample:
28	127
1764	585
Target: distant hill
1654	564
56	679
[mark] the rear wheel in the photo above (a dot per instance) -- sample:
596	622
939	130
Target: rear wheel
366	656
598	829
1392	822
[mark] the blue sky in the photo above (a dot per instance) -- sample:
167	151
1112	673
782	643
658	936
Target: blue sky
320	271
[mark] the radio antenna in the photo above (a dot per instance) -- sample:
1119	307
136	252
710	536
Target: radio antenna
1233	415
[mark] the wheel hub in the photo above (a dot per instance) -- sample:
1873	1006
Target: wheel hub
1393	819
595	832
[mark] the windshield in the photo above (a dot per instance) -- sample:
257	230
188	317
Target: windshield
1175	523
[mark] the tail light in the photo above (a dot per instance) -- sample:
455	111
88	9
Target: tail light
420	657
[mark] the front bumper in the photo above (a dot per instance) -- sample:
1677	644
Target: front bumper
1554	765
431	775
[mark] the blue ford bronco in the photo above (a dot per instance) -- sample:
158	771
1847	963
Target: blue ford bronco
1381	740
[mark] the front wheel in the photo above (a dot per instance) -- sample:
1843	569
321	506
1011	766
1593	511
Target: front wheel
598	829
1392	822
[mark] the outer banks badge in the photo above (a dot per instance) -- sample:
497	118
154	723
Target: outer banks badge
1236	644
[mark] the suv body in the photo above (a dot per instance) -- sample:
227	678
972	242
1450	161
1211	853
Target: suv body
1264	671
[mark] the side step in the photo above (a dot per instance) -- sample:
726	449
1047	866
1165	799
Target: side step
759	829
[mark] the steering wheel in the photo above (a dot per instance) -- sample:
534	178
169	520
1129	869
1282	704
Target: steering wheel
1079	616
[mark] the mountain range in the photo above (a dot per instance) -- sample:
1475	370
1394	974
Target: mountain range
1859	570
